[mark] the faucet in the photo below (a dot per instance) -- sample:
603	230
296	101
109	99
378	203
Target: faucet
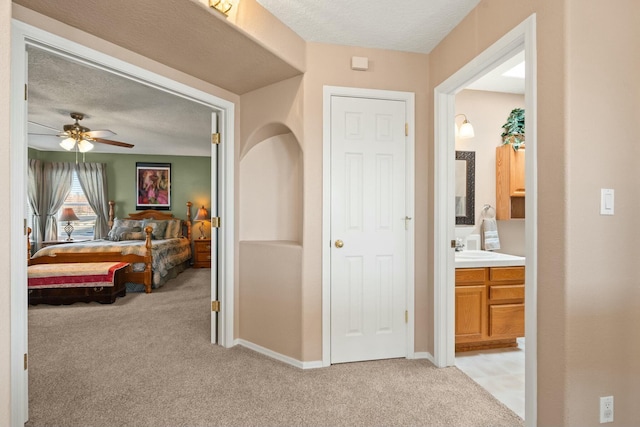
459	245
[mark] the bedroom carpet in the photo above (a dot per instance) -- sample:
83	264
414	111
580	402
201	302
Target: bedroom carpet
146	361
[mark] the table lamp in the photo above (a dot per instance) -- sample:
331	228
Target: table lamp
202	215
68	215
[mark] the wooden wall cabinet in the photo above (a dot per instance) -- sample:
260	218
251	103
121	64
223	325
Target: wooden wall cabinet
489	307
510	182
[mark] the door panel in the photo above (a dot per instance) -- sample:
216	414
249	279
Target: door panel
368	289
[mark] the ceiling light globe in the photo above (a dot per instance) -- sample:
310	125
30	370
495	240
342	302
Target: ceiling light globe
84	146
68	144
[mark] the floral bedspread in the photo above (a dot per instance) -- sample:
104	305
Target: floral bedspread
166	253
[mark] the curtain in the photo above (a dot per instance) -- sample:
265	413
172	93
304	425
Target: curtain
56	186
93	180
35	197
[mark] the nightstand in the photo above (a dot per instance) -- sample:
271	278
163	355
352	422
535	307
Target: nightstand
202	253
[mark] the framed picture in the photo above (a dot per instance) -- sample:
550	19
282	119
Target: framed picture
153	186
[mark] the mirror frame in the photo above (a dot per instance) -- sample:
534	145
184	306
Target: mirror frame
470	158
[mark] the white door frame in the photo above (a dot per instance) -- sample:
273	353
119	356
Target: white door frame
409	99
522	37
23	35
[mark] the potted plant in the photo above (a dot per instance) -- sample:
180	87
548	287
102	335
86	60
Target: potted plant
514	129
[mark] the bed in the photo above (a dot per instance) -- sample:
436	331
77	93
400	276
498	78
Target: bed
155	253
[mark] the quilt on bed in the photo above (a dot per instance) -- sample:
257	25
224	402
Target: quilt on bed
166	253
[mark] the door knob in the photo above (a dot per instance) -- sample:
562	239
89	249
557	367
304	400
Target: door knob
339	244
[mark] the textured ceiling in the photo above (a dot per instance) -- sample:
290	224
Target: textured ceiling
156	122
405	25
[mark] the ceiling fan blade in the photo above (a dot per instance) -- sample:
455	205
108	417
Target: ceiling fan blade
43	134
100	133
44	126
111	142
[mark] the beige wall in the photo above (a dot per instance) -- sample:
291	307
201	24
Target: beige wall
603	283
5	215
487	112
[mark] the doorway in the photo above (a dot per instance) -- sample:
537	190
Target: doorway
520	38
356	324
24	35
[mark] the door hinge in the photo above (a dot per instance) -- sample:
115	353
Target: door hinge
406	316
215	138
215	306
215	222
26	361
25	226
406	129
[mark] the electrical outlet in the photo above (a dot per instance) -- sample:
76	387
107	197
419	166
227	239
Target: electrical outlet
606	409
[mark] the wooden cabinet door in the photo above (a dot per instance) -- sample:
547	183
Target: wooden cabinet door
506	321
471	315
516	181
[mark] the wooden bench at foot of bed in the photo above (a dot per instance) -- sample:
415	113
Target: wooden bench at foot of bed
67	283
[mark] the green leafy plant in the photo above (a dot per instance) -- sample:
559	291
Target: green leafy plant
514	129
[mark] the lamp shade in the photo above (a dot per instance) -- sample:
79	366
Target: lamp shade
201	214
68	215
84	146
68	144
466	130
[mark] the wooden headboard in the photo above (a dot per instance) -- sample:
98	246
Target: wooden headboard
154	214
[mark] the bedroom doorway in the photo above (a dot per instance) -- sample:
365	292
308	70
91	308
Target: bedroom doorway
24	36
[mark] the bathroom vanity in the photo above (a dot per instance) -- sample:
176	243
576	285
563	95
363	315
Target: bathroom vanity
489	300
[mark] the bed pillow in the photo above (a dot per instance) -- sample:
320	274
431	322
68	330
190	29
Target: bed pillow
159	227
127	223
133	235
174	229
116	234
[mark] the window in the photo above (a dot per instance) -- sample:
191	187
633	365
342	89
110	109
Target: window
83	229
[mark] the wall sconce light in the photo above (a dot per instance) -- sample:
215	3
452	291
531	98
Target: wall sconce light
222	6
466	129
202	215
68	215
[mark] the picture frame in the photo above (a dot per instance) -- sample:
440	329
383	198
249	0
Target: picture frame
153	186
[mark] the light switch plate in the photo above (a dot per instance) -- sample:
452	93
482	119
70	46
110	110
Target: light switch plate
606	201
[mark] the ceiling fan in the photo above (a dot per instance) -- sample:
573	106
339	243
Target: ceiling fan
82	138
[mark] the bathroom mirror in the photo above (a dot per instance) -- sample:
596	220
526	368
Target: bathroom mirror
465	187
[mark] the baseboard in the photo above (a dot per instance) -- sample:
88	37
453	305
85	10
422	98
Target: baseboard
424	355
277	356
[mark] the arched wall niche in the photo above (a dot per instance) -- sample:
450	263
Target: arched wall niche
271	177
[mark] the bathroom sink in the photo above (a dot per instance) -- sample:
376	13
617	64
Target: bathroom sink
467	259
476	255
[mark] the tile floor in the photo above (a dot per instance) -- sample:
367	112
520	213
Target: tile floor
500	372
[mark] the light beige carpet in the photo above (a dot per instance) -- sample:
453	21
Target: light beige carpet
146	360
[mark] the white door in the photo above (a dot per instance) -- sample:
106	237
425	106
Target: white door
368	235
214	231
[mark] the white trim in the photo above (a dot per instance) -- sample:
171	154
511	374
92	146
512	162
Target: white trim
424	355
521	37
409	99
278	356
24	34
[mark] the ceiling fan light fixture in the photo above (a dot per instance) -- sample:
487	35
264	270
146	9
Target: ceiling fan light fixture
68	144
84	146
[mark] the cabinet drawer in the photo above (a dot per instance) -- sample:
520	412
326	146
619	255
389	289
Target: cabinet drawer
497	274
506	321
203	247
505	292
203	256
469	275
